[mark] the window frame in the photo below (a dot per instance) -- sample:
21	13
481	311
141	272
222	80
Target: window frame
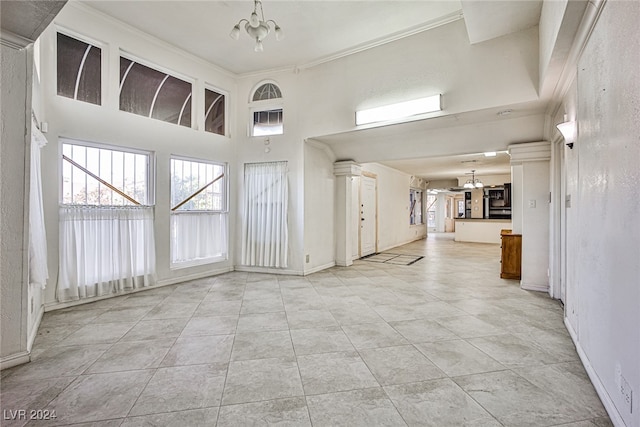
225	211
264	105
150	175
412	217
154	66
104	67
225	197
225	93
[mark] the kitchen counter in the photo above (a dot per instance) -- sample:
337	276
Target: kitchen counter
480	230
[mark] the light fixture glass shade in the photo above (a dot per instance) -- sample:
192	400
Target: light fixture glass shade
478	184
468	184
253	20
279	33
258	47
235	32
568	131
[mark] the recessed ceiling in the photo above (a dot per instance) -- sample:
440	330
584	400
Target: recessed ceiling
449	167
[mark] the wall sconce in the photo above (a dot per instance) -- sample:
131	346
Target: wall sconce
568	131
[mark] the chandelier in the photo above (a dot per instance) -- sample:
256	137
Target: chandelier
473	182
257	27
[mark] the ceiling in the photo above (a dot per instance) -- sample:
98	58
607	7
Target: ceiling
319	31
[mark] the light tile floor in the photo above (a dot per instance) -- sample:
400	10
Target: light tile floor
442	342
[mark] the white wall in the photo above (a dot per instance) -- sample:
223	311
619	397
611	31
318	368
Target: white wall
14	172
393	208
480	231
603	231
319	198
107	124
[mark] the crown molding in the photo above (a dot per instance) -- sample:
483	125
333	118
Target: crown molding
14	41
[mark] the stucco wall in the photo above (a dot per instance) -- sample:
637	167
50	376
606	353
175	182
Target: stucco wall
15	74
605	296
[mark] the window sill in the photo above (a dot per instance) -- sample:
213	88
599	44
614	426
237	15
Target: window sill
197	262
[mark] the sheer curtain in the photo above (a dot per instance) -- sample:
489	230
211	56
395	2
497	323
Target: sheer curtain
38	271
105	250
198	236
264	229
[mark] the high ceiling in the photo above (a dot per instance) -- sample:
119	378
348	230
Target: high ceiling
319	31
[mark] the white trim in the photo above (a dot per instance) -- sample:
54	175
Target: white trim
534	287
15	360
319	268
268	270
159	284
155	97
322	146
34	330
14	41
608	404
80	70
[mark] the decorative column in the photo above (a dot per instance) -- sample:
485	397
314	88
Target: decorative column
344	172
530	210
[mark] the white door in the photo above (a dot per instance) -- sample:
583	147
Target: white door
368	228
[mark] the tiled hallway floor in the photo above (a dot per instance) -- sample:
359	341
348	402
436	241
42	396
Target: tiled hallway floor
442	342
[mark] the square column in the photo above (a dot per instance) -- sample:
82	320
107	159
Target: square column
344	172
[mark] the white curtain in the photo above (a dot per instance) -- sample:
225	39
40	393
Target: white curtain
198	236
264	229
38	271
105	250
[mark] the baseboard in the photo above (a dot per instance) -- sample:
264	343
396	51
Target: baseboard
532	287
319	268
159	284
608	404
33	333
268	270
15	360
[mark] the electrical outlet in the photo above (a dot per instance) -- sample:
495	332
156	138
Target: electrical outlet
307	259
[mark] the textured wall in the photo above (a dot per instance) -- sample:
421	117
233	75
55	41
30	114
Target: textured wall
608	263
12	192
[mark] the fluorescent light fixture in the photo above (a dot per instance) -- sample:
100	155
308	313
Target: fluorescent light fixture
490	154
400	110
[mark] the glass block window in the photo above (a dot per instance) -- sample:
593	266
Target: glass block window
155	94
214	107
79	70
267	91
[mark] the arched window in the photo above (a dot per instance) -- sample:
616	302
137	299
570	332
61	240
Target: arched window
266	110
267	91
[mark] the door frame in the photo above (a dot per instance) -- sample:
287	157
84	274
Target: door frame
375	237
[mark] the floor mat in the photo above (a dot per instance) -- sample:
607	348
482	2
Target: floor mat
391	258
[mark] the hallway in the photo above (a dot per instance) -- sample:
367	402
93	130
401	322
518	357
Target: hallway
441	342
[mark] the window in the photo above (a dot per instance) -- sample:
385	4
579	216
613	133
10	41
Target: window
267	91
151	93
415	207
107	241
214	107
431	210
198	212
79	65
101	176
267	115
267	123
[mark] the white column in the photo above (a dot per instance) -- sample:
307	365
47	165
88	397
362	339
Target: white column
530	187
344	172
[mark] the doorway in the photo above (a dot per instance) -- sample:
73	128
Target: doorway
368	214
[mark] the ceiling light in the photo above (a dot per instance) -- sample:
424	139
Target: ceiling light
257	27
568	131
473	182
399	110
490	154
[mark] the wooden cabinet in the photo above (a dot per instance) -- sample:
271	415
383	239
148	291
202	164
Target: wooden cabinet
510	267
